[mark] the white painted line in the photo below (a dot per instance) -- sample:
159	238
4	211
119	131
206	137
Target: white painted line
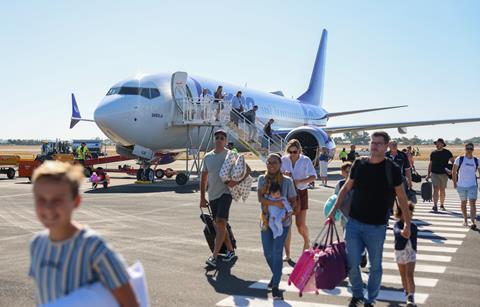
433	228
436	217
391	279
423	257
426	248
418	267
436	223
383	295
244	301
436	234
427	215
431	241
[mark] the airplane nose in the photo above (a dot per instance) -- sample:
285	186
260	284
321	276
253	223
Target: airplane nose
117	117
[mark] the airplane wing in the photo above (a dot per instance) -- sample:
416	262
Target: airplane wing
334	114
342	129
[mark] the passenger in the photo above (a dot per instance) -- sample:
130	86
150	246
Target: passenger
343	155
277	215
301	169
401	159
352	155
439	159
252	128
237	106
324	159
267	134
273	247
345	171
367	223
218	102
406	254
464	176
82	153
203	108
219	196
67	248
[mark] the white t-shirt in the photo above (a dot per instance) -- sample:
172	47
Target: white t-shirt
467	174
302	170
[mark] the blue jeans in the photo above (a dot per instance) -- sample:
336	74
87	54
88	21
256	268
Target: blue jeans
359	236
273	252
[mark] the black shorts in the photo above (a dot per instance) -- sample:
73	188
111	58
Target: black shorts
221	206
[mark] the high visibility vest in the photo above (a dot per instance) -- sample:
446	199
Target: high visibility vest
81	153
343	155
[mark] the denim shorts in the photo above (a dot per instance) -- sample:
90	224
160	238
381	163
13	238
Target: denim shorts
467	193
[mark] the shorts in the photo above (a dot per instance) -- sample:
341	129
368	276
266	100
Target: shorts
439	180
323	168
302	199
407	255
221	206
467	193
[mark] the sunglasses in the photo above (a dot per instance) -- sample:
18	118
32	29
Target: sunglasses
220	138
469	148
294	152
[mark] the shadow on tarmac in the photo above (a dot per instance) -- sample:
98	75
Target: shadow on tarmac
222	280
151	188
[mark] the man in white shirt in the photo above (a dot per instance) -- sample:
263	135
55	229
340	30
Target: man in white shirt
204	105
464	176
237	104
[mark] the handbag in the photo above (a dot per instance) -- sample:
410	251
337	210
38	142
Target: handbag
331	261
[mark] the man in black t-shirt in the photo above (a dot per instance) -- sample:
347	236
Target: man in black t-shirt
375	182
439	159
352	155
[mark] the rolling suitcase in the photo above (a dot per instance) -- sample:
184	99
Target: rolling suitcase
427	191
210	233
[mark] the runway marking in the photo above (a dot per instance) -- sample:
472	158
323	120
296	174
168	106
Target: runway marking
424	257
383	295
436	234
458	228
244	301
425	248
15	195
438	242
418	267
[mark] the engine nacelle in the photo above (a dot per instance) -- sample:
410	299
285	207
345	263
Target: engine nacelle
312	139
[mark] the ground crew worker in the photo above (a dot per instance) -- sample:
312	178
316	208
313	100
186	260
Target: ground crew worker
82	153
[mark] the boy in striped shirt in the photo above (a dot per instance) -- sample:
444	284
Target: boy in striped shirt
67	256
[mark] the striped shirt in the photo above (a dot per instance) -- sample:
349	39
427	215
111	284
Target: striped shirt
59	268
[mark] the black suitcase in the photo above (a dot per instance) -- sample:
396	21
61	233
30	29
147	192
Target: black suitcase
210	233
427	191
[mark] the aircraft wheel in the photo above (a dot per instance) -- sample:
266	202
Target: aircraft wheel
140	174
159	173
169	173
10	173
181	179
87	171
149	175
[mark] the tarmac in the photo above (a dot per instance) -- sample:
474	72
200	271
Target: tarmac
159	225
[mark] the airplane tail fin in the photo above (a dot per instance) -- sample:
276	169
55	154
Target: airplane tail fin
314	93
76	117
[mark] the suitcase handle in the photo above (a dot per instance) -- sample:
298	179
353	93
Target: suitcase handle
208	207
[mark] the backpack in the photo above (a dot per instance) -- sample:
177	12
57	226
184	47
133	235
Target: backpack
346	204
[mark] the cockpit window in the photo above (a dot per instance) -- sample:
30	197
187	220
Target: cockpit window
146	92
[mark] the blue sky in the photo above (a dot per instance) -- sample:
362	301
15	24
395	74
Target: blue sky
380	53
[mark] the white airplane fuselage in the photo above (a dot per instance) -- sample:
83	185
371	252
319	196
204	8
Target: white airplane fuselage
136	120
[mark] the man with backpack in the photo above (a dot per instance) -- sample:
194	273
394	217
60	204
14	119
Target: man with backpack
376	182
439	159
401	159
464	176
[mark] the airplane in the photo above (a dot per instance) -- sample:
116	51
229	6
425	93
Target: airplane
137	114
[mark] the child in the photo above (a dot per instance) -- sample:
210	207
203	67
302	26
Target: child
405	255
94	180
67	256
345	171
276	215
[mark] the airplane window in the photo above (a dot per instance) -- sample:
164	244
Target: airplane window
146	93
113	91
129	90
154	93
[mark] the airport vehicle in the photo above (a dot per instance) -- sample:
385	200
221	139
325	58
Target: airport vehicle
8	164
164	113
96	147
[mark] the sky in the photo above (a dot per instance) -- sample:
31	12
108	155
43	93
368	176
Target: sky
380	53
